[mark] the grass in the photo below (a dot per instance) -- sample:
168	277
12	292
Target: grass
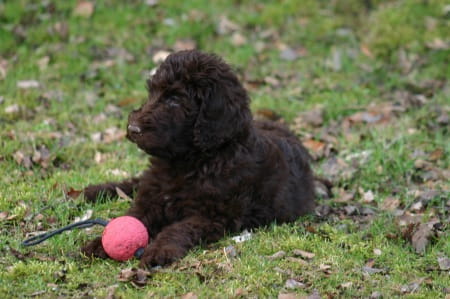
91	72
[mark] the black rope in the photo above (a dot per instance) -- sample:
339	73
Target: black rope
82	224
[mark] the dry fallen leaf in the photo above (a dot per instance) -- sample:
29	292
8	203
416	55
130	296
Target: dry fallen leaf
294	284
26	84
313	118
122	195
111	290
390	204
437	154
43	62
421	237
237	39
23	159
368	196
325	268
160	56
244	236
346	285
230	252
3	68
366	51
265	113
118	172
12	109
303	254
225	26
84	9
189	295
370	270
296	260
316	148
288	54
277	255
87	215
137	277
184	44
72	193
3	215
289	296
444	263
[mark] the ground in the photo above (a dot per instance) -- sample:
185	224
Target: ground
364	84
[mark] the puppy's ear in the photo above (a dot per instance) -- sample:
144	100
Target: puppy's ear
224	114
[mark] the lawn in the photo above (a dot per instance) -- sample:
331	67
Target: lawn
364	84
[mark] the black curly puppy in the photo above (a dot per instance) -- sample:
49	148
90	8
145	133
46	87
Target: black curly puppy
213	169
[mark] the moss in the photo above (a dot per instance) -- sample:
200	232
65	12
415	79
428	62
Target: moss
403	25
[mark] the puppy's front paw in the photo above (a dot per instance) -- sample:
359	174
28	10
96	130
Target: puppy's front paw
94	248
155	255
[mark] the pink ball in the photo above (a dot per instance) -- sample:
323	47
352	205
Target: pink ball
123	236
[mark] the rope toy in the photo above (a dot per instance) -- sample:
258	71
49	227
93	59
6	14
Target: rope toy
122	238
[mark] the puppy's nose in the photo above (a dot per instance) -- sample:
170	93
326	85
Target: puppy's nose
134	129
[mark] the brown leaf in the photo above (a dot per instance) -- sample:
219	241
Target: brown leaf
438	44
367	196
296	260
444	263
344	196
288	54
390	204
325	268
160	56
408	218
137	277
303	254
225	26
111	292
289	296
366	51
12	109
294	284
189	295
62	29
184	44
41	156
315	295
84	9
335	168
237	39
317	148
436	155
346	285
370	270
113	134
43	63
3	68
3	215
72	193
23	159
126	274
313	118
277	255
322	188
27	84
122	195
268	114
230	252
421	237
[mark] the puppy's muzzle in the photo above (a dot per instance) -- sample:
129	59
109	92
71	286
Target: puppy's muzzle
134	129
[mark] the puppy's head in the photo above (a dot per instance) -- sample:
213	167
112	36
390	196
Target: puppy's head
196	104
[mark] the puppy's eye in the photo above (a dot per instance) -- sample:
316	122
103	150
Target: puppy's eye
173	101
